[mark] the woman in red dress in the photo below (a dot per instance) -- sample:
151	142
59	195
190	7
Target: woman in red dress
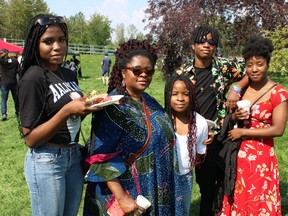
257	190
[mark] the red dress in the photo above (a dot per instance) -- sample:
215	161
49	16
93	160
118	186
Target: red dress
257	190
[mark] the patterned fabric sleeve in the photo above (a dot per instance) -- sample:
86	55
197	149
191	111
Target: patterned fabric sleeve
278	95
106	141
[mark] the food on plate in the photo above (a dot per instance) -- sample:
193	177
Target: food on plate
107	98
100	100
96	98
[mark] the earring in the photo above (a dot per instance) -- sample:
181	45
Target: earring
123	83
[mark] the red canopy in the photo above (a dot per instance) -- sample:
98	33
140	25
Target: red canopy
10	47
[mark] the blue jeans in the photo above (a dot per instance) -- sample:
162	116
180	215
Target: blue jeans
186	188
5	93
55	180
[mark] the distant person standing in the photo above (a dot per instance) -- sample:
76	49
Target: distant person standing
74	59
77	66
105	69
8	69
73	66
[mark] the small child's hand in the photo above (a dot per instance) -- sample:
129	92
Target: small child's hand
210	138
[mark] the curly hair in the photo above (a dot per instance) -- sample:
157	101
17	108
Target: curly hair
193	107
258	46
201	32
123	56
31	53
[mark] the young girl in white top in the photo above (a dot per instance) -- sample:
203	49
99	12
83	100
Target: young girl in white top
190	128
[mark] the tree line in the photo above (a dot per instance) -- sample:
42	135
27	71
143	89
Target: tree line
97	30
170	23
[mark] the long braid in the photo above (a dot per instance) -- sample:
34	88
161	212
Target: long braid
192	109
31	56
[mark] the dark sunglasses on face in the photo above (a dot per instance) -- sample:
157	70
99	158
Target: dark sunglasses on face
204	40
137	70
50	20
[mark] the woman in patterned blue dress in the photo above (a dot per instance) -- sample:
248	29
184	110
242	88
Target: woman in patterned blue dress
119	131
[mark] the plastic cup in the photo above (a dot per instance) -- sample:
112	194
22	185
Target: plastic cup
245	104
143	202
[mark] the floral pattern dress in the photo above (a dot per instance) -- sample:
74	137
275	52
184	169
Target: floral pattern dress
257	190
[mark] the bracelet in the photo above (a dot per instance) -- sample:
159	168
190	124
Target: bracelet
236	89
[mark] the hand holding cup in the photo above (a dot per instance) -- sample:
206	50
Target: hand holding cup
143	203
245	106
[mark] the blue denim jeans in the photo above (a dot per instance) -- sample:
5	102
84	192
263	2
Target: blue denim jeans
186	187
55	180
5	93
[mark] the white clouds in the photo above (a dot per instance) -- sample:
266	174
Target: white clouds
124	11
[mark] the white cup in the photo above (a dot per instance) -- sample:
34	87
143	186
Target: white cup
245	104
143	202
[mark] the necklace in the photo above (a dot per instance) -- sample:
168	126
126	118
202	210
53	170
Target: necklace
254	93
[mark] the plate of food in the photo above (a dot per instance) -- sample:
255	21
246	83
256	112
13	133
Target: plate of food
104	100
210	123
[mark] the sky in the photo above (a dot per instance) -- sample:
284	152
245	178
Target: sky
118	11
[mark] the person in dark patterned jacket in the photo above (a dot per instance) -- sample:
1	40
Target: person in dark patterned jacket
213	79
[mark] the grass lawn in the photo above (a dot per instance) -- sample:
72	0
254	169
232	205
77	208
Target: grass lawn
14	194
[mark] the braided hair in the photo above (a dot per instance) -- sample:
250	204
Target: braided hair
123	56
193	107
31	55
201	32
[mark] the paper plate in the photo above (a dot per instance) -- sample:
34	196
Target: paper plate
210	123
114	99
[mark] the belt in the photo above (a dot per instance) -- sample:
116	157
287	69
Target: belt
61	145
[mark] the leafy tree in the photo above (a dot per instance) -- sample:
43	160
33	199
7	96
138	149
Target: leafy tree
279	60
17	14
2	3
132	31
140	36
99	30
119	34
77	26
171	22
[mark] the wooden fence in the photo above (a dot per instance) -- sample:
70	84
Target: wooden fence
80	48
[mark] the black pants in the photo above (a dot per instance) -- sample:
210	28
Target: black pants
207	177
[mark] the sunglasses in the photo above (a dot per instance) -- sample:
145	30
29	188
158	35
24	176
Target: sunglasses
137	70
204	40
50	20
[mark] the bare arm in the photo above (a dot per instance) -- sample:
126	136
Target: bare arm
127	204
233	96
277	128
44	132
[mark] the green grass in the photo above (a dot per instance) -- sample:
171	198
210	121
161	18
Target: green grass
14	194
